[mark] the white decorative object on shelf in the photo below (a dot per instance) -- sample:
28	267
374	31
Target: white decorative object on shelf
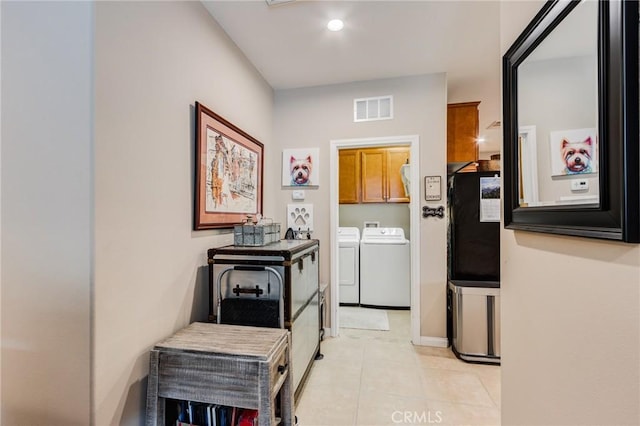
405	174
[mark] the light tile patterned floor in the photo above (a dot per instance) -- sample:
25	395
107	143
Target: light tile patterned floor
380	378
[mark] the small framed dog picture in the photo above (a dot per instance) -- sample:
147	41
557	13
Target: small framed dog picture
573	152
301	167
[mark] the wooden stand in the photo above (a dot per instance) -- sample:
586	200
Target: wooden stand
223	364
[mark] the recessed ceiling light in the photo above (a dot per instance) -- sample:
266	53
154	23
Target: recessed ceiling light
480	140
335	25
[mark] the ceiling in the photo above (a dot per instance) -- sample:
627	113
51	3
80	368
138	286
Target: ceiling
291	47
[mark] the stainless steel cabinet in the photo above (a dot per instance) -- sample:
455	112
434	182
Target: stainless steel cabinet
474	311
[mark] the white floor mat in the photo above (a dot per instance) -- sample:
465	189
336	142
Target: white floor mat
363	318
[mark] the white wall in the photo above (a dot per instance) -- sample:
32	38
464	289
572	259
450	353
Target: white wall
395	215
153	61
47	212
469	86
311	117
570	328
571	83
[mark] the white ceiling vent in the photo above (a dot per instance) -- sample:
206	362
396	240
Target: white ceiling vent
370	109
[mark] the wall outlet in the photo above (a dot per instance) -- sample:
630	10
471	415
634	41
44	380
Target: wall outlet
579	185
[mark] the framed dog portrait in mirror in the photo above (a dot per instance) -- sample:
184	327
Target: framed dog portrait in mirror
229	170
301	167
573	152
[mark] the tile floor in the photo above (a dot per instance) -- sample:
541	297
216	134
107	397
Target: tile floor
379	378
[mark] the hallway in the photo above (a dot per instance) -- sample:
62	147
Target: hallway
379	378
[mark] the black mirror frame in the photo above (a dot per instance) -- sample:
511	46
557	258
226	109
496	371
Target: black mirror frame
617	217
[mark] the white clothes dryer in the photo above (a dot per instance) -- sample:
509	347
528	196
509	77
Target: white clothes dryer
349	265
385	268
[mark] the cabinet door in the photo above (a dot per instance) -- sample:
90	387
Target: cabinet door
373	167
349	176
462	132
396	158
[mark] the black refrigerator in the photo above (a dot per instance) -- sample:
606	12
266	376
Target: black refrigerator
474	245
473	290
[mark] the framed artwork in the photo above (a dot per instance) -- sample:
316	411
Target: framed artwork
301	167
229	169
490	199
573	152
432	188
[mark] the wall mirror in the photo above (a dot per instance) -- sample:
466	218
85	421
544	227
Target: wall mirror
570	99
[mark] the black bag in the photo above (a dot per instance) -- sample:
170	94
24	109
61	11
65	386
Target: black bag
251	312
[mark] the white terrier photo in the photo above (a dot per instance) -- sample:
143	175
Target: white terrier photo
300	170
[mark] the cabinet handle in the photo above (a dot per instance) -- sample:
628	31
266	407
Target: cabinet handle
283	368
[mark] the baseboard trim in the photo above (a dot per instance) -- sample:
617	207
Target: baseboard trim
437	342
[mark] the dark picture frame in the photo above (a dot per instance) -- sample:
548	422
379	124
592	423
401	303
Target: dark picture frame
432	188
616	215
229	172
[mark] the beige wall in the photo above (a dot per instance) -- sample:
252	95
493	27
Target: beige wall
393	215
46	212
153	61
124	238
570	328
470	87
312	117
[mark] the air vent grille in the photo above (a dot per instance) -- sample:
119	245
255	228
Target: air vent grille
277	2
370	109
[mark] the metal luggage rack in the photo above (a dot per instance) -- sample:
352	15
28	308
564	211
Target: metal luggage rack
233	306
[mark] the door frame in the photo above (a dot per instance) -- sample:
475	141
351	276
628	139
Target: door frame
413	141
528	152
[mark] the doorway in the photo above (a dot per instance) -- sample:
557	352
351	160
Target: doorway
413	142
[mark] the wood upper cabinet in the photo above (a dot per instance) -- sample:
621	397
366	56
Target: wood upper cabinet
349	176
373	175
462	132
396	158
377	175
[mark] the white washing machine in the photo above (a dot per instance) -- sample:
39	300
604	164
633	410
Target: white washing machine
349	265
385	268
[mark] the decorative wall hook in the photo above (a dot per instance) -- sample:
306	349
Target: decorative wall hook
435	211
